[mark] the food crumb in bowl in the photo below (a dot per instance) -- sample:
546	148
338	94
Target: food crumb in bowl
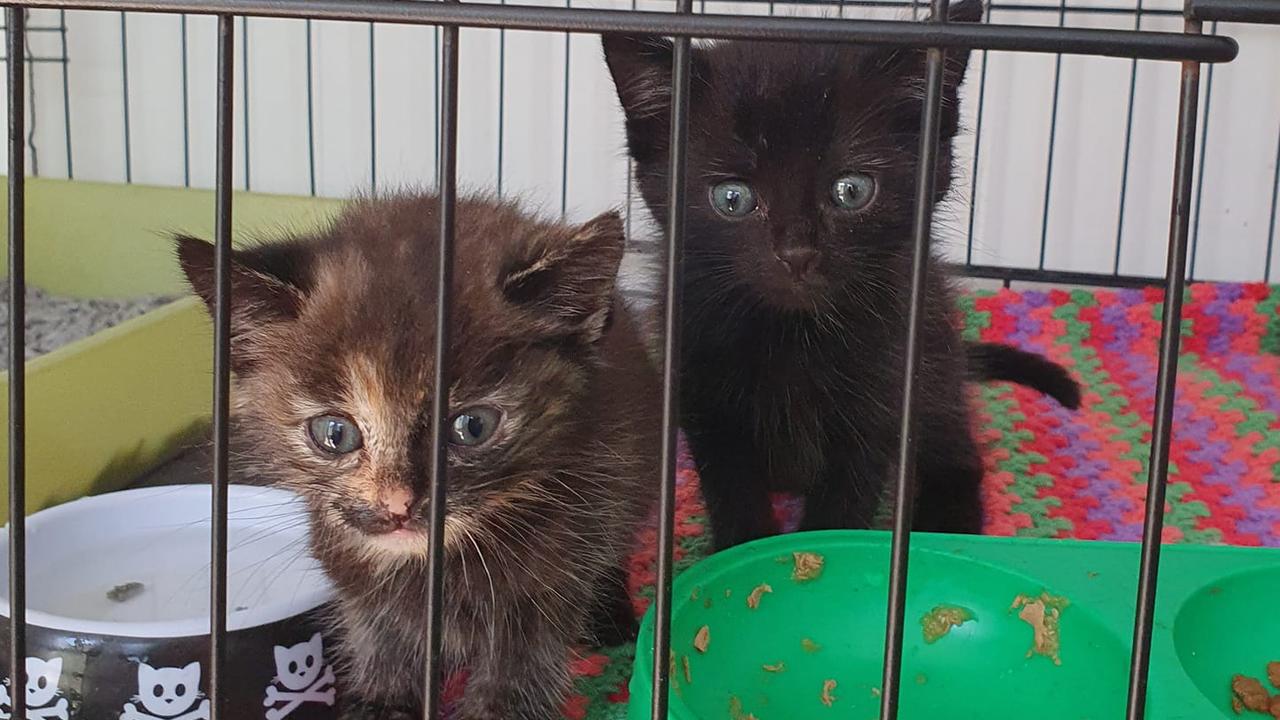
1248	693
777	668
707	603
728	593
753	600
939	621
694	595
736	712
1273	673
828	692
702	640
875	692
1275	707
1042	614
808	566
810	646
125	592
688	673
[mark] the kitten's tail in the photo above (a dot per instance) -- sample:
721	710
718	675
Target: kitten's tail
995	361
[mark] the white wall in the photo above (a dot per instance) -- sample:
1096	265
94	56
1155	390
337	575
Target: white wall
515	82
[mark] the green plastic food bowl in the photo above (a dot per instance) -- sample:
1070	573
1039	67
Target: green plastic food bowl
1044	629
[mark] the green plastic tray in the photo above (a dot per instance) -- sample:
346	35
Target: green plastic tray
1215	617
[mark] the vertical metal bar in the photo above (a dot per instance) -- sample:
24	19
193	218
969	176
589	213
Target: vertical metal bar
630	173
926	176
674	271
186	108
373	113
244	68
1162	424
15	41
435	97
1053	140
448	170
1271	226
1128	143
977	150
1204	147
33	152
124	90
311	118
502	98
564	130
66	89
221	364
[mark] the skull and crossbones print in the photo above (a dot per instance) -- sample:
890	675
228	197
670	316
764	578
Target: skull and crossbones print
43	700
302	676
168	694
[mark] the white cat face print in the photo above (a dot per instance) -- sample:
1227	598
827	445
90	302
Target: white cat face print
44	702
168	694
302	676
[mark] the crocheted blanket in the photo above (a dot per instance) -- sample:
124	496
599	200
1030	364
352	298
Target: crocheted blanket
1056	473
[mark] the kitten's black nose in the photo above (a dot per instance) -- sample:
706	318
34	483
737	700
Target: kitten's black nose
799	260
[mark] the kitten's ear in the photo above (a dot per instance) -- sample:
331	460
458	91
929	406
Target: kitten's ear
641	69
570	280
957	61
911	61
192	669
261	293
969	11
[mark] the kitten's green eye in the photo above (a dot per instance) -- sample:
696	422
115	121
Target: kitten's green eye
733	199
474	426
854	191
335	434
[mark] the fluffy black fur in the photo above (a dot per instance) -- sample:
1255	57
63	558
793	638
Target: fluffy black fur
791	371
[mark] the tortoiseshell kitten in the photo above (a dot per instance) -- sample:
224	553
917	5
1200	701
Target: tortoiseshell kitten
801	167
553	430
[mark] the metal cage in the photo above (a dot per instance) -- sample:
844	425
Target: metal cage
1190	48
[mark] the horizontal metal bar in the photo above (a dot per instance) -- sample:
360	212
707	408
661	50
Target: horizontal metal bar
1054	277
991	7
1082	41
1265	12
35	59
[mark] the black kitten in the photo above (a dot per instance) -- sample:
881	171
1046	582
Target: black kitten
802	161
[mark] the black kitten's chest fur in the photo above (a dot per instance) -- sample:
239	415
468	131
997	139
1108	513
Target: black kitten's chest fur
778	402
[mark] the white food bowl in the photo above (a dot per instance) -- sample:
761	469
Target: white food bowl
118	609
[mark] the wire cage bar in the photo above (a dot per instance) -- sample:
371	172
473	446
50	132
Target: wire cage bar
221	365
448	189
670	368
922	231
936	37
15	44
1162	424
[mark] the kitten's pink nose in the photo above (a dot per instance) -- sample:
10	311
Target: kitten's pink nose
397	501
799	260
